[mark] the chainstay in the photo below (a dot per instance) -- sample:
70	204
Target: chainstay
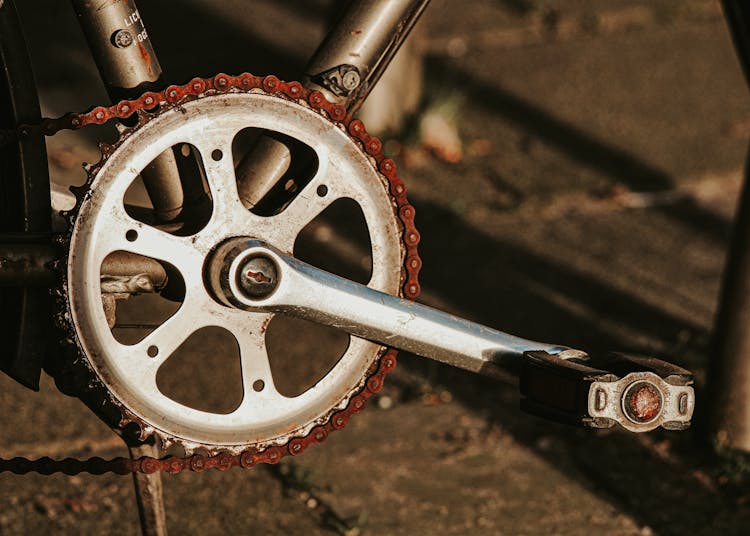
174	94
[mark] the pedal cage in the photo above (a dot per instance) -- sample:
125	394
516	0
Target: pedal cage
640	393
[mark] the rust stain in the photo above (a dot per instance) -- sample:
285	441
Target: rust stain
144	53
645	403
258	276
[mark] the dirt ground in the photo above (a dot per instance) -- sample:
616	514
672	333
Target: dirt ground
602	146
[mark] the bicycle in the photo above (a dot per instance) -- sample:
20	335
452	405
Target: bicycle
265	265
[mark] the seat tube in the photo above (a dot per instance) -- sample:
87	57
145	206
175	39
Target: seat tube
120	44
128	66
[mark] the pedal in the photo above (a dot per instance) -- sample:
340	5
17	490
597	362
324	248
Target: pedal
640	393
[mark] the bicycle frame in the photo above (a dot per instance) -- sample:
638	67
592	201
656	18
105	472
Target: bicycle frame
345	67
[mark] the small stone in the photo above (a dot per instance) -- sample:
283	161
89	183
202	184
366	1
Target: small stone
385	402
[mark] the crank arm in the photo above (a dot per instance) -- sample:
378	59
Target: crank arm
556	382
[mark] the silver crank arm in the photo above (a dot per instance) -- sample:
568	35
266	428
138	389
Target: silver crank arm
637	392
307	292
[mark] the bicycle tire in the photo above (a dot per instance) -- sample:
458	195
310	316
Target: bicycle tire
24	203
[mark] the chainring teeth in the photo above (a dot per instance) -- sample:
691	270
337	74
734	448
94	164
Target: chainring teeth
339	414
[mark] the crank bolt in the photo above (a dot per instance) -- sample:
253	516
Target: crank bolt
642	402
122	39
257	277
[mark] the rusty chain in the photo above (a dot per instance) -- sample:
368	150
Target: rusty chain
174	95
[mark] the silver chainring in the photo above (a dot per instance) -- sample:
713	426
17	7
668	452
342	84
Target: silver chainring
102	226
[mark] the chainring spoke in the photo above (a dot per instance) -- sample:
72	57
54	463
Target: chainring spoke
216	154
257	379
123	233
305	207
151	352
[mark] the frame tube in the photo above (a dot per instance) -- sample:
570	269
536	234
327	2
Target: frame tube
353	56
345	67
128	66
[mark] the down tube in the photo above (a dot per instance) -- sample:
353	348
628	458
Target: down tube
350	60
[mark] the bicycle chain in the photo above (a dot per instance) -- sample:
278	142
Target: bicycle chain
174	95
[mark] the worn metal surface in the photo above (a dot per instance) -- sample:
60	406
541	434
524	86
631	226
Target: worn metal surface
641	402
103	227
119	42
76	380
639	393
353	56
127	70
345	68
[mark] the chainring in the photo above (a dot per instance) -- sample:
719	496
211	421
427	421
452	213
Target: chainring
108	381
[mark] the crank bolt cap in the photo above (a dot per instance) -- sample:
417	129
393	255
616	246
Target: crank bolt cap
257	277
642	402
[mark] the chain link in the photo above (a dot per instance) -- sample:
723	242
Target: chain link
173	95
